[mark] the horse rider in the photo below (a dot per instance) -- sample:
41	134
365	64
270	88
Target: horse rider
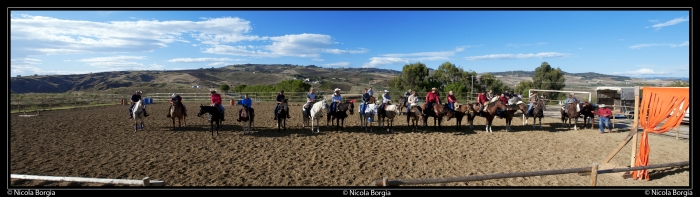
572	99
411	101
386	98
247	104
514	99
507	94
371	93
336	99
135	98
280	98
451	100
489	95
604	114
216	102
365	100
431	98
310	99
483	100
176	98
407	94
533	98
503	99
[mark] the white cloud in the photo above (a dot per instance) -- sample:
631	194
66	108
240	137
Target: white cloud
410	57
518	56
639	46
46	35
216	63
642	71
317	59
198	60
114	62
670	22
338	64
297	45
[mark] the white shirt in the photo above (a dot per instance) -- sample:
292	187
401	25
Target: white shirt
412	99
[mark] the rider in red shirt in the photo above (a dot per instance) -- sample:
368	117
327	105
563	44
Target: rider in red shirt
216	102
451	100
176	98
431	99
482	99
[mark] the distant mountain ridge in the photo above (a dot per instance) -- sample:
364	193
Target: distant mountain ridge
249	74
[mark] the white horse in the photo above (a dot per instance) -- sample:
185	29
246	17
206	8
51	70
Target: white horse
389	114
138	114
315	114
367	117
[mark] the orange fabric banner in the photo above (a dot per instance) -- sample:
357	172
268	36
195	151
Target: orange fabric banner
657	105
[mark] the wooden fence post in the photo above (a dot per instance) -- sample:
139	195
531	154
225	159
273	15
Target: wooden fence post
146	182
594	174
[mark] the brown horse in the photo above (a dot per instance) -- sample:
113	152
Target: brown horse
177	112
414	117
438	112
247	115
569	114
491	111
403	101
509	113
537	112
588	112
460	112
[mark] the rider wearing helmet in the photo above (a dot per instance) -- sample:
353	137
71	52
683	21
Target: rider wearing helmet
135	98
176	98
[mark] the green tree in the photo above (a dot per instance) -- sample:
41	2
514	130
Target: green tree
327	86
523	87
548	78
413	76
457	88
679	84
225	88
292	86
447	73
239	88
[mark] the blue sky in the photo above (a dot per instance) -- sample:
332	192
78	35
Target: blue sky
630	42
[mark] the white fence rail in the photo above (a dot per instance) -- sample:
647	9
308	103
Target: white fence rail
145	182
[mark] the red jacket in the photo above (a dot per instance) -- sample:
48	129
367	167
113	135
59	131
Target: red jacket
431	98
504	100
604	112
482	98
215	99
451	99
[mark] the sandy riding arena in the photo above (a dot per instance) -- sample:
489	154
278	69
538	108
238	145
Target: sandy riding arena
100	142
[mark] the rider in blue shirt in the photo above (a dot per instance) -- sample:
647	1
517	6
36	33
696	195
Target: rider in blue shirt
365	100
571	100
336	99
246	103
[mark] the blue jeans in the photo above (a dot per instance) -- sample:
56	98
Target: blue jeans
218	106
408	108
451	105
604	121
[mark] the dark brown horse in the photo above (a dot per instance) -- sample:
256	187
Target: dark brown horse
282	114
460	112
588	112
438	112
415	116
537	112
568	114
339	115
491	111
509	113
403	101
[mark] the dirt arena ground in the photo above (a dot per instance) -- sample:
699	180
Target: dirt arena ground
99	142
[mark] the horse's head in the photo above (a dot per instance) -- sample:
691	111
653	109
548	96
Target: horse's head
351	106
202	110
372	99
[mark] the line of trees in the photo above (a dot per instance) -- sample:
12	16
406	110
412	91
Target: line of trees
449	77
291	85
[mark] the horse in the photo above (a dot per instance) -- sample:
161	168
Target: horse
138	114
177	112
537	112
213	115
460	111
364	116
568	114
388	115
438	112
313	114
282	112
249	118
587	110
368	116
415	116
403	103
339	115
491	111
509	113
